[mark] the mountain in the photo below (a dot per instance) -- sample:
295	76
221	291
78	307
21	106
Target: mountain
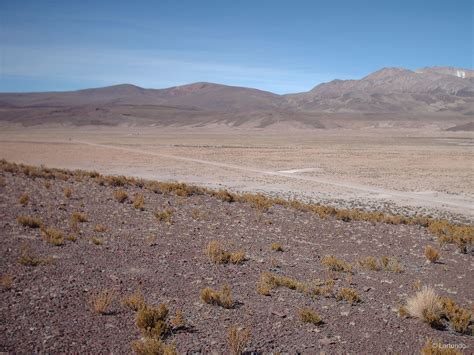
397	92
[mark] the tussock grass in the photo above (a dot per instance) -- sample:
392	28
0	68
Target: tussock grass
152	346
100	228
221	298
67	192
218	255
139	202
24	199
431	254
28	258
134	301
178	322
120	195
238	339
6	282
164	216
29	221
459	318
437	348
152	321
307	315
335	264
348	294
426	306
384	263
101	301
53	236
78	217
97	241
276	247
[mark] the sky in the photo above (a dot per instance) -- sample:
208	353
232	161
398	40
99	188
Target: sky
279	46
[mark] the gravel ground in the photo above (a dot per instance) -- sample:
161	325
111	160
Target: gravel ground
46	308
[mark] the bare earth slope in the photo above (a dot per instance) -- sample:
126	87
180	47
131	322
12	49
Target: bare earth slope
45	308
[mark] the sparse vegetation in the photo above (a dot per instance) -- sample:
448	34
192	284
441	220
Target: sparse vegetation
135	301
139	202
222	298
67	192
459	318
164	216
79	217
178	322
218	255
238	339
348	294
426	306
438	348
225	196
28	258
269	281
307	315
6	282
24	198
100	228
29	221
383	263
152	321
276	247
120	195
152	346
101	301
97	241
334	264
53	236
431	254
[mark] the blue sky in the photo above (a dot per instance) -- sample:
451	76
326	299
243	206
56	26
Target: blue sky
280	46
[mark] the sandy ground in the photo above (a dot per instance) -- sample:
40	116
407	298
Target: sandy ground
398	170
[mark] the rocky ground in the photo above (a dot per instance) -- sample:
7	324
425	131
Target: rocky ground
46	308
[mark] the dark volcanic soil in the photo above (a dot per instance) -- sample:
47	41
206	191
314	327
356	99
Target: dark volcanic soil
46	309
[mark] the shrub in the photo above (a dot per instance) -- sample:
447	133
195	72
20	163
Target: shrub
238	339
222	298
459	318
164	216
369	263
28	258
152	321
101	301
53	236
224	195
67	192
348	294
138	202
177	322
135	301
431	254
24	198
335	264
218	255
426	306
29	221
120	195
307	315
276	247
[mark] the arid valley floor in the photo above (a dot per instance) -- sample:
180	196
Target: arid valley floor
68	236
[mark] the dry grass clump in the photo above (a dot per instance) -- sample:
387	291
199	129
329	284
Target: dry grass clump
431	254
6	282
218	255
197	214
222	298
24	198
348	294
384	263
459	318
29	221
101	301
426	306
134	301
178	322
276	247
152	346
258	201
67	192
238	339
97	241
78	217
164	216
152	321
151	240
117	181
307	315
438	348
28	258
139	202
3	182
224	195
53	236
269	281
120	195
100	228
71	238
335	264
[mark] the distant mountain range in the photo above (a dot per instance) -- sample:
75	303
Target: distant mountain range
393	91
